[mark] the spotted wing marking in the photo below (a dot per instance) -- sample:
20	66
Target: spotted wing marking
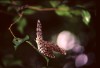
45	47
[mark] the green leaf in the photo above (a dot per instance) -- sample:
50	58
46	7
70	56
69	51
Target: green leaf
54	3
21	25
28	12
5	2
86	17
9	60
16	62
76	12
18	41
9	8
31	10
63	10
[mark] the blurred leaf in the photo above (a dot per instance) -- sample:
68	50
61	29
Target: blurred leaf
5	2
35	7
9	8
80	6
9	60
28	12
21	25
63	10
57	54
18	41
12	62
86	17
76	12
17	2
16	62
54	3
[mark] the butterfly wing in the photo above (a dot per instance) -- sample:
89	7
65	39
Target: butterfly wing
57	48
45	49
39	31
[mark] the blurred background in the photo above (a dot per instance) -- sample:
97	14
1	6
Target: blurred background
71	24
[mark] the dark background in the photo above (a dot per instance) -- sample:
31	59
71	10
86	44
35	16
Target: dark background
52	24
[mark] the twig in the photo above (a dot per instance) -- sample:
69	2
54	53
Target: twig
41	9
37	51
31	44
44	9
20	16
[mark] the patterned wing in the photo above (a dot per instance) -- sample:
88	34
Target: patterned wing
46	48
39	31
43	47
56	48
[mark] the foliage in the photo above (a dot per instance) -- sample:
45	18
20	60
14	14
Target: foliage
86	17
19	41
60	9
21	25
28	12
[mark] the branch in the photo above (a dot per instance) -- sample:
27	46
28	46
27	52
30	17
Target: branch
31	45
20	16
43	9
37	51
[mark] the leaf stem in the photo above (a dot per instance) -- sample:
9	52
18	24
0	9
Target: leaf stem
38	51
20	16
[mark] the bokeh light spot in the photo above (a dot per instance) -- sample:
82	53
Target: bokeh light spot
78	49
66	40
81	60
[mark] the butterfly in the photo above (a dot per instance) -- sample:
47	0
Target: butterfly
45	47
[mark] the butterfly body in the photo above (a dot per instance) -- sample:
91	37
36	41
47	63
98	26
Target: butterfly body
45	47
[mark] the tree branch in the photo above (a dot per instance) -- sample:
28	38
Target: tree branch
41	9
